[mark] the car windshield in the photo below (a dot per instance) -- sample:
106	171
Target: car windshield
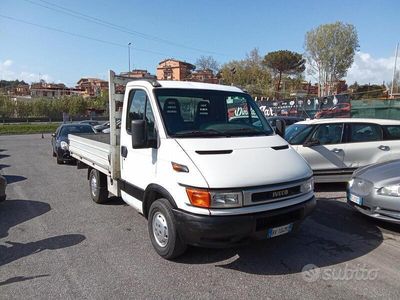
65	130
296	134
209	113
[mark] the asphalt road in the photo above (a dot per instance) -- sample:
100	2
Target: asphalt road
56	243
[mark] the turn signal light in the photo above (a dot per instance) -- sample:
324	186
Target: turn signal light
179	168
199	198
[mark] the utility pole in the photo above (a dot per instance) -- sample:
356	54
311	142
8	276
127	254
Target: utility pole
129	57
394	69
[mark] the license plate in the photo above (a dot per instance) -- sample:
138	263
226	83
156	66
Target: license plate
272	232
355	199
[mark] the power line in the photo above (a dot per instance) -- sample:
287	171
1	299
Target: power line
98	21
80	35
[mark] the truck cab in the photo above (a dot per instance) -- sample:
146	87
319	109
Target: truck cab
203	165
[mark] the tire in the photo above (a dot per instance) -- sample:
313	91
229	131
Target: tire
59	161
163	230
98	186
54	154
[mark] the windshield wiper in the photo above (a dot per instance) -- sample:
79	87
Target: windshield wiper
199	133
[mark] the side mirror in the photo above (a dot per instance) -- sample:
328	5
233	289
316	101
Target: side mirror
312	142
280	126
138	134
53	135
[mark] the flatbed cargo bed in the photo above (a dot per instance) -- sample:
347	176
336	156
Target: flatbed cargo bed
92	149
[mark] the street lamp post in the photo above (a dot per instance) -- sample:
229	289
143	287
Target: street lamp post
129	57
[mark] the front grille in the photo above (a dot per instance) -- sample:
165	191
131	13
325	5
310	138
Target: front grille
275	194
278	220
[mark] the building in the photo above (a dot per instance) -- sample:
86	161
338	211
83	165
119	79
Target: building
172	69
138	74
92	87
206	76
51	90
21	89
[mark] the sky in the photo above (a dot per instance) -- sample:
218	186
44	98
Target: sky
53	39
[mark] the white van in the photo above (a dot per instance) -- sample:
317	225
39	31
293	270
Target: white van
199	161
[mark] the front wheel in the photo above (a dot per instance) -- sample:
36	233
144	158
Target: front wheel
162	230
98	186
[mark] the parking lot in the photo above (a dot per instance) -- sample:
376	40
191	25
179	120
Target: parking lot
56	243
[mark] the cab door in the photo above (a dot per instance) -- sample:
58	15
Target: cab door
324	149
138	166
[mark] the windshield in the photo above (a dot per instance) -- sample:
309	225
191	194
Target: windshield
199	113
297	133
75	129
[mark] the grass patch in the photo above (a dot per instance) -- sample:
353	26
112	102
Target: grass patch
28	128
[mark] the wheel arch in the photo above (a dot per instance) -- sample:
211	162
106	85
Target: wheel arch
152	193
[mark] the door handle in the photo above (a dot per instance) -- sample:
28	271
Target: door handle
336	150
384	148
124	151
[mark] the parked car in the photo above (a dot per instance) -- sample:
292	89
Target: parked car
3	184
339	110
335	148
101	127
375	191
108	129
288	120
59	141
90	122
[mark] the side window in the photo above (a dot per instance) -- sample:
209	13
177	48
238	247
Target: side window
139	109
392	132
328	134
299	138
365	133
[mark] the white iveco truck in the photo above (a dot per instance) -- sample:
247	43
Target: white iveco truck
199	161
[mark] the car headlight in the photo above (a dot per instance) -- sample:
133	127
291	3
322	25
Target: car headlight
226	199
390	190
64	145
350	184
208	199
307	186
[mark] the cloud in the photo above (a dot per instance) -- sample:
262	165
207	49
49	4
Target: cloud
7	63
8	71
368	69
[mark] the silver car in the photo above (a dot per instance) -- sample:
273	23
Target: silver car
375	191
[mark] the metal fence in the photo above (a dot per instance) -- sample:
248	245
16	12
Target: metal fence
375	108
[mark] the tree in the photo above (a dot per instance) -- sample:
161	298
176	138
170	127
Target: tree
330	50
284	62
249	74
207	62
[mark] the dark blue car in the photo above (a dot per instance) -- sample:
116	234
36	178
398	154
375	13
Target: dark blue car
60	143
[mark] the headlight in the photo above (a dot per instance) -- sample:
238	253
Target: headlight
350	184
390	190
307	186
207	199
226	200
64	145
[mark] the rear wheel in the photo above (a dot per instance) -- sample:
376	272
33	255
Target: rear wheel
163	231
98	186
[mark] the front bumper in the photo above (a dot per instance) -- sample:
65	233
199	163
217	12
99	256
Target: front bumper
376	206
224	231
64	155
